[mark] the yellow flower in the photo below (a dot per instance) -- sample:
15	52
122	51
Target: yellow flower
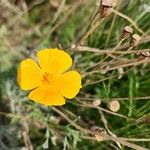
49	81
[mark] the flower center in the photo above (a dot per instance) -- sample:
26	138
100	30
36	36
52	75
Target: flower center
47	78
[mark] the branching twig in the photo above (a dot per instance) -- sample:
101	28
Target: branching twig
105	137
101	52
88	33
70	121
106	126
127	64
103	109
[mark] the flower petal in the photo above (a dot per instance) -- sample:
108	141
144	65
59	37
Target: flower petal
47	95
69	84
54	61
29	75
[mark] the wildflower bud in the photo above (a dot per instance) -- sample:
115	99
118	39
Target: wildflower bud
135	39
96	102
106	7
127	32
114	105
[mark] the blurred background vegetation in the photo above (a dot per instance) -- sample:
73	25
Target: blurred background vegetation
29	25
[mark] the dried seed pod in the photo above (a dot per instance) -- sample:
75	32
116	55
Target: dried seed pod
135	39
145	54
109	3
98	133
127	32
96	102
106	7
114	105
105	11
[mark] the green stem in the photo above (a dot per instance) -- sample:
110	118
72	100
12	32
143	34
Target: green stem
131	95
111	27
